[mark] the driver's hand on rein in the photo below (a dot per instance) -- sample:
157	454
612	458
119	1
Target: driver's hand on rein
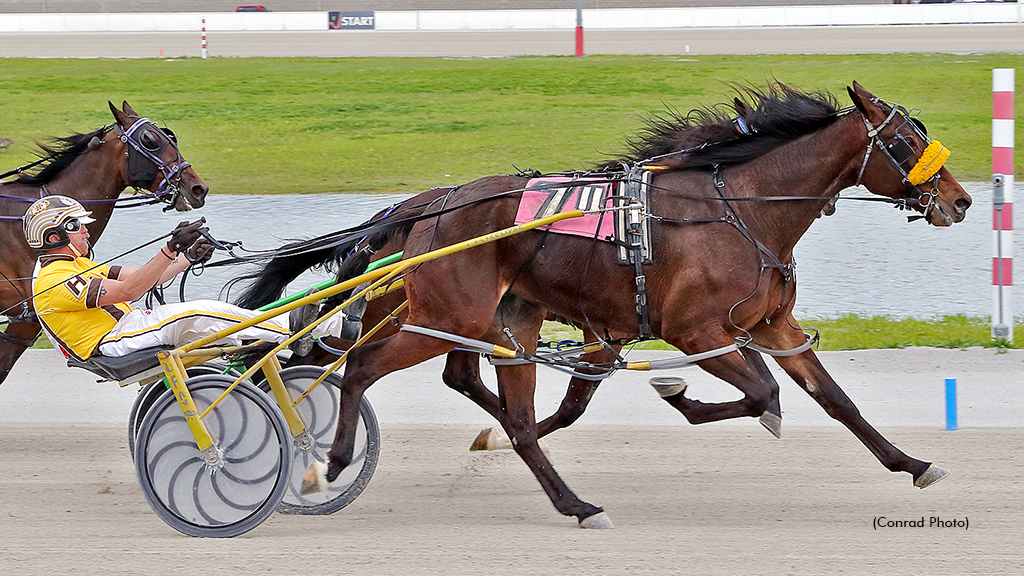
200	252
184	236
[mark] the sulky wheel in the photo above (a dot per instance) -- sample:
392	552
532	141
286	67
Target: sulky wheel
319	412
143	402
247	475
149	393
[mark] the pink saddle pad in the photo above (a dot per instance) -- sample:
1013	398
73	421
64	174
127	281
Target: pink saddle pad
548	196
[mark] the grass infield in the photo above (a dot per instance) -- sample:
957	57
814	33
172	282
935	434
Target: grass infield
853	332
287	125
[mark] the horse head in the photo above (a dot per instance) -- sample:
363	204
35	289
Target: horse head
902	161
154	161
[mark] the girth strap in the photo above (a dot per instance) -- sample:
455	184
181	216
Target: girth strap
632	225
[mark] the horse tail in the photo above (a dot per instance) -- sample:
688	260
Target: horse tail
270	281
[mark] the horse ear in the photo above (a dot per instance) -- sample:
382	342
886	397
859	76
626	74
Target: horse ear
862	100
121	117
743	110
128	109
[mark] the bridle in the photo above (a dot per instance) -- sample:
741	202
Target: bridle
898	150
145	143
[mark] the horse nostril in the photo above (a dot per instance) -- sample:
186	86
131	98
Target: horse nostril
962	204
200	190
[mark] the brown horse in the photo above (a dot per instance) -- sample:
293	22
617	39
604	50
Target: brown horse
93	168
721	272
694	303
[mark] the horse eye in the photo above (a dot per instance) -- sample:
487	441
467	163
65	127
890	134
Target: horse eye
150	141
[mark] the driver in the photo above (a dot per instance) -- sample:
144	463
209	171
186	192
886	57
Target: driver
85	309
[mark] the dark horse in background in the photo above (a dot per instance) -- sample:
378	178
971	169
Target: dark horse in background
93	168
721	271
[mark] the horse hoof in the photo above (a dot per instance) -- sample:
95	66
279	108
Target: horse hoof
315	479
493	439
599	521
668	385
932	475
772	423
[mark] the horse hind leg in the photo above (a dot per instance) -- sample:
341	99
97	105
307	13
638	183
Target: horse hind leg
577	395
367	364
462	374
516	387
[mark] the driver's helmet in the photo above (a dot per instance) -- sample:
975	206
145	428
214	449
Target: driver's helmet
53	215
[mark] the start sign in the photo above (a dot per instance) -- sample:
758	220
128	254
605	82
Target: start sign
350	20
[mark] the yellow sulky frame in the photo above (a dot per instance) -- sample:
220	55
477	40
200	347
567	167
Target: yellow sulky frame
382	280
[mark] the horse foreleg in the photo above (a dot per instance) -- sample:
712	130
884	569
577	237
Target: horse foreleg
10	350
516	385
771	419
810	375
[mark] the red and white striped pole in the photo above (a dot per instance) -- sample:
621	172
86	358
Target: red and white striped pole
579	28
204	37
1002	202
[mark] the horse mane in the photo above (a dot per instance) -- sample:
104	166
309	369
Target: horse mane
57	155
709	135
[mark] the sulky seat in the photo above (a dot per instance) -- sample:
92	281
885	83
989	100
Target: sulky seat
121	367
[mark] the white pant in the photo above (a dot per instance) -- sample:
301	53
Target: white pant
181	323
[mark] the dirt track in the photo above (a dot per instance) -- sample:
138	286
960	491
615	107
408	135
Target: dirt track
708	501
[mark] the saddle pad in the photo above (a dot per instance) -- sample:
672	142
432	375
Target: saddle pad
548	196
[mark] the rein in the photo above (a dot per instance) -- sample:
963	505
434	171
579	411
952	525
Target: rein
129	202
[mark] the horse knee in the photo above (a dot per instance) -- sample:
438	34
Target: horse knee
567	415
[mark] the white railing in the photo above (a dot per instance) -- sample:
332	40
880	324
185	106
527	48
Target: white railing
608	19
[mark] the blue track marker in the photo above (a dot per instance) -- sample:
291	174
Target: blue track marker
951	404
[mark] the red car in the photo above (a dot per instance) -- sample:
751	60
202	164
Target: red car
251	8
